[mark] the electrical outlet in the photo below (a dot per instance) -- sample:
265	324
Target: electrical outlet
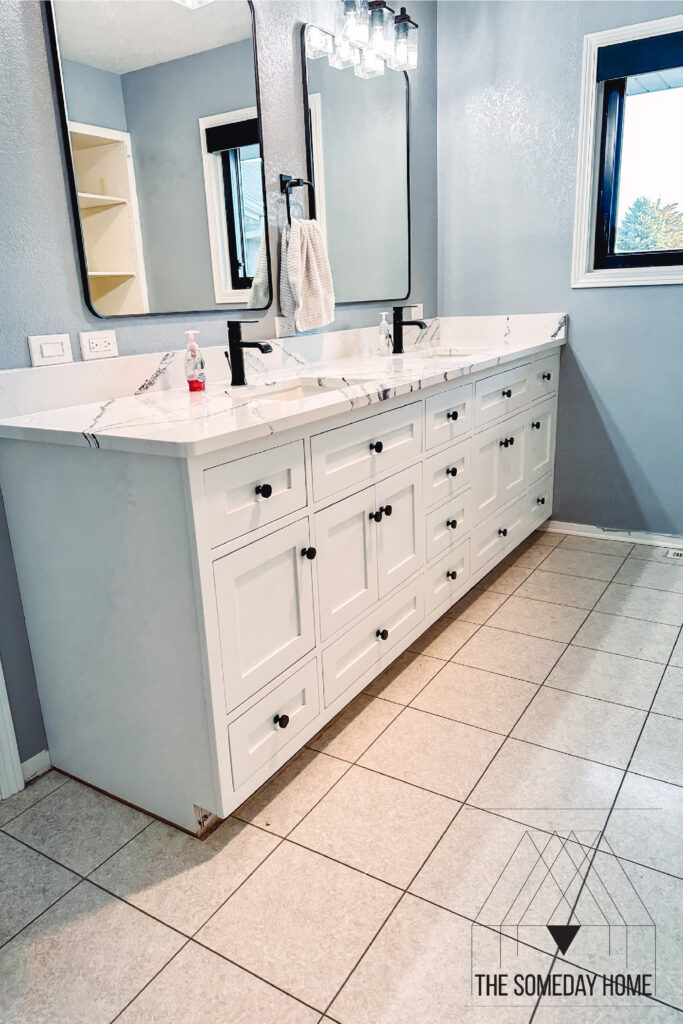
98	344
47	349
285	327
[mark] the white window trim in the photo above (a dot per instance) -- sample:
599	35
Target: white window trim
583	274
215	208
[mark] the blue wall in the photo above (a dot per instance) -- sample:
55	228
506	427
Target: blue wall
93	96
509	86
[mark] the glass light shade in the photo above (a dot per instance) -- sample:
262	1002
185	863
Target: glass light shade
405	45
351	20
371	66
345	55
381	38
318	43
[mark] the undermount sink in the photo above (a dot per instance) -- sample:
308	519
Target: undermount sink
295	393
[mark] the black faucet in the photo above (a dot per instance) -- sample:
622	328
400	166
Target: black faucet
399	324
236	347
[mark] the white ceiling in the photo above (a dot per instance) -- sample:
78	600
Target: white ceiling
126	35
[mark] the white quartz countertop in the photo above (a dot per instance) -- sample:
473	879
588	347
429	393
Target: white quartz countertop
179	423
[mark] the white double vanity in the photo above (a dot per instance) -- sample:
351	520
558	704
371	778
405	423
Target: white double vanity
207	580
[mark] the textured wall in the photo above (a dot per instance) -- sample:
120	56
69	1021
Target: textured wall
93	96
509	85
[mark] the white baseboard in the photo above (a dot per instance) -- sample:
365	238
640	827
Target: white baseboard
663	540
36	765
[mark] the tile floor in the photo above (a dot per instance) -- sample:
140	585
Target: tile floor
533	737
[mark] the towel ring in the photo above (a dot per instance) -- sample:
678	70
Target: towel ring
287	183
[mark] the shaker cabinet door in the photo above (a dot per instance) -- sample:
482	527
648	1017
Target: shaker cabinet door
541	447
346	541
400	530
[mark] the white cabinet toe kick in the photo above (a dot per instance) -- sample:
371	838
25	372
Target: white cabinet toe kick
210	614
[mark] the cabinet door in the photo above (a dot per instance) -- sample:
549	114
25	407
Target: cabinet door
486	473
513	456
264	595
400	536
346	541
541	447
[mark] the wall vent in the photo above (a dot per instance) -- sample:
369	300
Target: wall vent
676	553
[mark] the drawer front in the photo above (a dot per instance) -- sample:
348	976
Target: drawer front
248	493
544	375
346	564
255	737
500	394
540	500
500	533
448	524
344	457
446	578
541	446
400	536
357	651
447	473
448	416
264	596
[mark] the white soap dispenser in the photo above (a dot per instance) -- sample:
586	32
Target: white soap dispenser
385	345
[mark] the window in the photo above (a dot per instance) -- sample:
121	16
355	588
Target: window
629	226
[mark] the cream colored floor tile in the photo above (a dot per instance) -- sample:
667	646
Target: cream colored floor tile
282	802
29	883
379	825
581	726
301	921
616	634
419	971
558	588
669	700
510	654
655	575
444	638
200	987
659	753
607	676
476	606
563	1011
179	879
599	545
548	537
479	698
582	563
34	792
405	677
642	603
528	555
538	618
504	579
546	789
355	727
646	824
651	553
81	961
436	753
78	826
677	653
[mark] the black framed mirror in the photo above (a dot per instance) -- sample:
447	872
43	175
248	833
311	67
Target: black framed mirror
358	154
161	123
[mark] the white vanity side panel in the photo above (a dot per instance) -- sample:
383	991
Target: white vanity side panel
94	578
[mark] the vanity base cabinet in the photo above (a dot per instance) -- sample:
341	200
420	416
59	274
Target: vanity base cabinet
189	638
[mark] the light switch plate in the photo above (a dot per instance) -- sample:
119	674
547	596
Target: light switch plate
285	327
47	349
98	344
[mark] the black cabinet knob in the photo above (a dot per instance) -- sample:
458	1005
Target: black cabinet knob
451	574
452	471
377	516
265	490
504	443
536	425
387	509
309	553
540	501
452	415
547	376
511	440
377	447
507	393
282	721
382	634
502	533
452	523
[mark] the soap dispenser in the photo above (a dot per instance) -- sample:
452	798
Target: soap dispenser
194	364
385	344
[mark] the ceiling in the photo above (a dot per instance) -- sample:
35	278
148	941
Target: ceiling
126	35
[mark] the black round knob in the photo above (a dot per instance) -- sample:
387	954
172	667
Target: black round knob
387	509
452	471
502	533
507	393
382	634
377	516
451	574
265	490
536	425
547	376
452	415
309	553
282	721
377	447
511	440
452	523
540	501
504	444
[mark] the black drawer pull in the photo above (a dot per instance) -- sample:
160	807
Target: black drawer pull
502	533
547	376
540	501
265	490
281	720
451	574
451	523
452	415
309	553
536	425
382	634
506	442
507	393
452	471
377	447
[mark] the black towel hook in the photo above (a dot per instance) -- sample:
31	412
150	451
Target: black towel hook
287	183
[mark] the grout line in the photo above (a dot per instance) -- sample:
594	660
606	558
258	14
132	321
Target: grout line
40	799
27	924
150	980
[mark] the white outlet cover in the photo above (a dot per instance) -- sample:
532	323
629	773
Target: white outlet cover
285	327
47	349
98	344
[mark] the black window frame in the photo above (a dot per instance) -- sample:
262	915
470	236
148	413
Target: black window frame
232	187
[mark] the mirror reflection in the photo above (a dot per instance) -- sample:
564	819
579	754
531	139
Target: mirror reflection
162	116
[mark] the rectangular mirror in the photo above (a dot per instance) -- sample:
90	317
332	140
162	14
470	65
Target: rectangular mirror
161	121
357	136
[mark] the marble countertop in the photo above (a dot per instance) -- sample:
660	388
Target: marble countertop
179	423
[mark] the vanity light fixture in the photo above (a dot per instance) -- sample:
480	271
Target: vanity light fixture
405	47
318	43
370	66
351	21
193	4
344	55
382	29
